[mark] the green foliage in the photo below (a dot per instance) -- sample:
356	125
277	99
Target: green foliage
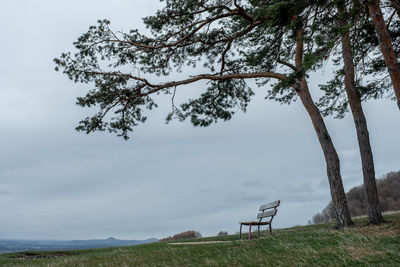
372	80
334	100
234	40
218	102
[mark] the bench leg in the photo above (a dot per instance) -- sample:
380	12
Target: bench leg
258	233
270	229
250	232
240	232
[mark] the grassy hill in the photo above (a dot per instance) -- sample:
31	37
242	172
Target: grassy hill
313	245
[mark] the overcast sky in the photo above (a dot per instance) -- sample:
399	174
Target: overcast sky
56	183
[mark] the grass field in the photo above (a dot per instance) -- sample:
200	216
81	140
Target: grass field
313	245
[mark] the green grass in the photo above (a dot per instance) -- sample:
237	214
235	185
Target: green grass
313	245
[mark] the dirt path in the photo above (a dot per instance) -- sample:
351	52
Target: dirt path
199	243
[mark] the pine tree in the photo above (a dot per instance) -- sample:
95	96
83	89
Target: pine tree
355	33
236	40
385	45
354	99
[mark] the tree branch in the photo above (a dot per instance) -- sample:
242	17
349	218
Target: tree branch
213	77
293	67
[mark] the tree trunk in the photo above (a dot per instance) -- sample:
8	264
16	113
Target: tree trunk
386	47
338	195
367	160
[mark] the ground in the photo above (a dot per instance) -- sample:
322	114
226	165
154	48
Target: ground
312	245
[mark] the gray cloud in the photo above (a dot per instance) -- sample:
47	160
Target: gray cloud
252	183
5	192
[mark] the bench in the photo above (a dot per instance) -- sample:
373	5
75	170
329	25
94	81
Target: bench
267	210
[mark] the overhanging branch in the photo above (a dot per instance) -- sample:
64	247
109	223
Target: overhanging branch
212	77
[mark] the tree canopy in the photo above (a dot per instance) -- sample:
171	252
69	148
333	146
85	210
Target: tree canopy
233	40
371	75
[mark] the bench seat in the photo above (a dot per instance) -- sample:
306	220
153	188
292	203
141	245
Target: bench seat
255	223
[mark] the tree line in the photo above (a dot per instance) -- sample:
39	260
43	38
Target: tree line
274	42
389	199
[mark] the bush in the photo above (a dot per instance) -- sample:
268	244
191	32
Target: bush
222	233
184	235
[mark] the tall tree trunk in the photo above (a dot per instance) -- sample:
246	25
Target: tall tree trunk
386	47
338	195
353	95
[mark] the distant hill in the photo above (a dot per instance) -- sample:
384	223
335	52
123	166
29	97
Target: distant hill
389	198
7	246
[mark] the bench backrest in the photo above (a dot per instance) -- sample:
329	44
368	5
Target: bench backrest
268	210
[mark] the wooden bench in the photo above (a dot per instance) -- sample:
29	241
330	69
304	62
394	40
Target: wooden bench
267	210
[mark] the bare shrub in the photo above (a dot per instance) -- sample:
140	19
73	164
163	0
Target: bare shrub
222	233
184	235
